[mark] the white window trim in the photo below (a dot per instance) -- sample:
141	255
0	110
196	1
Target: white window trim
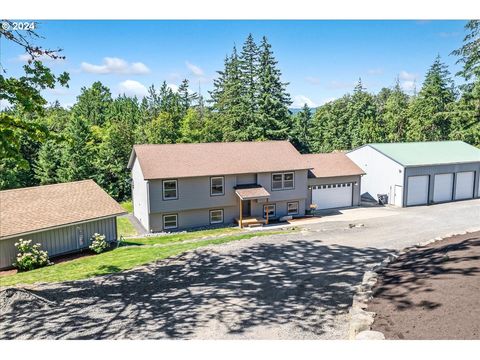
274	211
283	187
176	189
170	227
223	185
296	203
210	215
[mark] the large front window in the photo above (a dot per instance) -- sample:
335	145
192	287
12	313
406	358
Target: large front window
170	190
216	186
283	181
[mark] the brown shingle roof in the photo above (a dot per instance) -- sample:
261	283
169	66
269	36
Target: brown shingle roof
41	207
331	165
254	192
207	159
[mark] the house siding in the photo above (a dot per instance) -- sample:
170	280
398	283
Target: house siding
60	240
140	195
356	180
194	201
382	173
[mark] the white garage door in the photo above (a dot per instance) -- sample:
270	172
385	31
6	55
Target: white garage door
332	196
417	192
442	188
464	185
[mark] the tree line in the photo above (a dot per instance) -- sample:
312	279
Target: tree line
94	138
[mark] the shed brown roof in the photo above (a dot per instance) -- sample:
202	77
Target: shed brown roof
331	165
206	159
41	207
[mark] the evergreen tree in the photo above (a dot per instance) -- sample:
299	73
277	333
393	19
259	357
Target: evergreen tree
92	104
78	151
192	127
395	115
302	130
429	111
48	163
186	98
273	117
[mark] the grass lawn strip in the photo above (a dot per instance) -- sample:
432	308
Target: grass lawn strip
127	206
125	227
117	260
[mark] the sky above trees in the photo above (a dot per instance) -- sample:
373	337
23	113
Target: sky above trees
321	60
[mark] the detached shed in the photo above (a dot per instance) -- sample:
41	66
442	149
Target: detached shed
419	173
61	217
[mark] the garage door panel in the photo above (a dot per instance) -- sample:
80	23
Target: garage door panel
443	187
464	185
417	191
332	196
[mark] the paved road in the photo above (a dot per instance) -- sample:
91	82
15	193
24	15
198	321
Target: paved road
295	286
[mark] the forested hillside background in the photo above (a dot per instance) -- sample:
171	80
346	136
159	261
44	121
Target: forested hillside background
45	144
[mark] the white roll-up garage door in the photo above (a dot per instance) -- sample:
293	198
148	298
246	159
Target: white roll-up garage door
417	191
442	187
332	196
464	185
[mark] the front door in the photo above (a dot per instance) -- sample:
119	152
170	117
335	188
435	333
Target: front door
246	209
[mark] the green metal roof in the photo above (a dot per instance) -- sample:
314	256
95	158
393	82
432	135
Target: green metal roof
429	153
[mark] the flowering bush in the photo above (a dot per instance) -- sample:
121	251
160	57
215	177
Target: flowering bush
30	256
99	244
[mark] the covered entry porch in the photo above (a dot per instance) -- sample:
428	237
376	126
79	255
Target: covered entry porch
247	194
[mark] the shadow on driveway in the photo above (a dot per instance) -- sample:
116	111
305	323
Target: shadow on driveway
300	284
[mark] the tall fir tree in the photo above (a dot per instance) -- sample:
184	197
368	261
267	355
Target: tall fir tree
395	115
48	163
302	129
273	117
429	112
92	103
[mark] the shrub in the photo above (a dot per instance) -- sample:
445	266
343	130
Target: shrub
30	256
99	244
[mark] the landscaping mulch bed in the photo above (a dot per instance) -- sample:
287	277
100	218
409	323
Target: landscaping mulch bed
431	292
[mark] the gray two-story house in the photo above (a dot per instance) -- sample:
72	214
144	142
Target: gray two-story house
176	186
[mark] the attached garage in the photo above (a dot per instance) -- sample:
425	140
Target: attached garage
333	181
419	173
332	195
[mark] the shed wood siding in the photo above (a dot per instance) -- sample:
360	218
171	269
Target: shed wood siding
337	180
382	173
140	195
60	240
444	169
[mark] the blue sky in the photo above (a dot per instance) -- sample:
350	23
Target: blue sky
321	60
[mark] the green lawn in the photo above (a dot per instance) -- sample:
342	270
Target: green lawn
127	205
120	259
125	227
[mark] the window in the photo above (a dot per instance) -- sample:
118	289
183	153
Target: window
170	190
292	208
271	209
288	180
216	186
170	221
283	181
216	216
277	181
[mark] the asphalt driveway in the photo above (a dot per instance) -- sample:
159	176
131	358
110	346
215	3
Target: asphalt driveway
293	286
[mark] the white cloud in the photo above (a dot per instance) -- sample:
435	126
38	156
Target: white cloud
378	71
312	80
327	100
4	104
44	58
300	100
195	70
132	88
113	65
407	80
173	87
